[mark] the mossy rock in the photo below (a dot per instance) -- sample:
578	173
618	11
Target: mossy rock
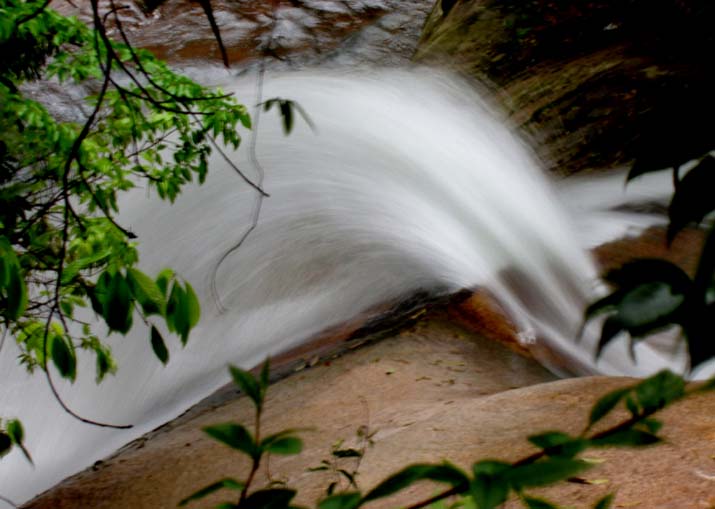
594	83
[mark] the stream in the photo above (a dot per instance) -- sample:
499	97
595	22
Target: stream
409	182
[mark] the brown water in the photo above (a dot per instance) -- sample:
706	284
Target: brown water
305	32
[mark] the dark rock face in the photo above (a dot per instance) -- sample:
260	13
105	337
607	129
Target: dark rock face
598	83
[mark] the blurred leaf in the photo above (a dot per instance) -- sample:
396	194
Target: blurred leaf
547	471
283	445
610	329
16	302
649	306
605	502
648	270
145	291
349	500
177	312
163	279
605	404
158	345
275	498
5	443
17	436
489	488
626	438
556	443
659	390
117	303
193	306
693	198
15	431
63	357
248	384
346	453
444	473
537	503
235	436
652	425
705	273
227	483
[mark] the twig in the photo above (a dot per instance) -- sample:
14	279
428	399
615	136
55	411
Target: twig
208	10
8	501
258	203
33	14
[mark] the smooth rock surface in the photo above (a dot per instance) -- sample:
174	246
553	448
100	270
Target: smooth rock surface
436	391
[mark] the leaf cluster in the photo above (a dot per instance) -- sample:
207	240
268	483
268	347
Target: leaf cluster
652	294
490	482
252	445
63	252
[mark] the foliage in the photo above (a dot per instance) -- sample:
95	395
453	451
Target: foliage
338	464
490	482
651	294
62	250
253	445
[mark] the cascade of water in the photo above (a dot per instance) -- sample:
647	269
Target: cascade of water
408	183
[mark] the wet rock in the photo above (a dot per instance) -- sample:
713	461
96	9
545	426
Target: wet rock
594	84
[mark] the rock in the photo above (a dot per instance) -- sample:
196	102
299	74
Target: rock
434	392
594	84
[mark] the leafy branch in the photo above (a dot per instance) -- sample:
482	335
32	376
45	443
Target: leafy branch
491	481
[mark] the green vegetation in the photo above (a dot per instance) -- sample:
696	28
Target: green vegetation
652	294
491	481
62	250
61	246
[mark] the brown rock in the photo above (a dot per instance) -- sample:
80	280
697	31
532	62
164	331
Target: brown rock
434	392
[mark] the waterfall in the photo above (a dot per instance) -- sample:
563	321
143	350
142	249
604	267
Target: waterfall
408	182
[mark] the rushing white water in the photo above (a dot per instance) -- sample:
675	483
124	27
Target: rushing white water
408	183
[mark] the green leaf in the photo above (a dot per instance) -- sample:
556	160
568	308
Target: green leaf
349	500
176	318
63	357
610	329
5	443
693	198
659	391
652	425
547	471
248	384
282	445
537	503
649	306
626	438
489	492
192	305
163	279
72	269
227	483
235	436
145	291
605	502
286	108
15	431
556	443
489	488
346	453
605	404
444	473
117	304
17	436
275	498
158	345
16	294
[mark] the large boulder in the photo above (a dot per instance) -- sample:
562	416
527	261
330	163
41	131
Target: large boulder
436	391
594	83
